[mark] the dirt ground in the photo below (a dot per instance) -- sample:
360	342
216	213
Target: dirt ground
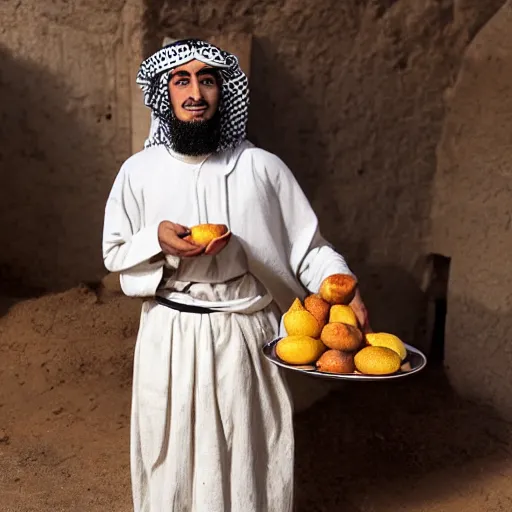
65	376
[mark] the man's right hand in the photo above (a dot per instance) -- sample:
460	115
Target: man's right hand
172	243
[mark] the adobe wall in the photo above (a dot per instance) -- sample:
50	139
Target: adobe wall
472	216
65	129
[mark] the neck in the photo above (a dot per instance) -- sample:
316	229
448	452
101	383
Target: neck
189	159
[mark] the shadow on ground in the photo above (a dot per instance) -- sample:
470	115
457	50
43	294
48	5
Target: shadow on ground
368	439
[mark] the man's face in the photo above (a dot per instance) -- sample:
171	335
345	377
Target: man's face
194	91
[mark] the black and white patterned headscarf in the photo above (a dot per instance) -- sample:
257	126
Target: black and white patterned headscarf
153	77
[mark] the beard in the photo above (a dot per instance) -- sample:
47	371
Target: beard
195	138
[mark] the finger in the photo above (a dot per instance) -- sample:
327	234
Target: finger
196	252
361	314
365	325
183	254
178	230
182	245
167	249
367	329
362	317
181	230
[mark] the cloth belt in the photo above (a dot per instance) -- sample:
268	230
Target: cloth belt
184	308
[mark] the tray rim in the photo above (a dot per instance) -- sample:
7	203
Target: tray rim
344	376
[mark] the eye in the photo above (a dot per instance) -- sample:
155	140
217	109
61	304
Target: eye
181	82
208	81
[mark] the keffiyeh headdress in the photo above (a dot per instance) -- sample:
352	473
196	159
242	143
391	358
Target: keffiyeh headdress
153	77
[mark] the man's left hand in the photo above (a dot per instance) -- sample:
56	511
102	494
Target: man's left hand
361	312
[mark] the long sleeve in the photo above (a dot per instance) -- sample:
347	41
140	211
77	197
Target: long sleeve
320	262
312	258
129	247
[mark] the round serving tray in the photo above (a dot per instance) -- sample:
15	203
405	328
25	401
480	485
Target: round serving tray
413	363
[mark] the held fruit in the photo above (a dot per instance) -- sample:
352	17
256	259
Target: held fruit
318	308
203	234
299	349
377	361
301	323
335	361
296	305
384	339
338	289
339	336
343	314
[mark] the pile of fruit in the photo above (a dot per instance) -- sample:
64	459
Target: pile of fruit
323	332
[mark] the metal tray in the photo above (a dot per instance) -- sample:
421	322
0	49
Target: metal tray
413	363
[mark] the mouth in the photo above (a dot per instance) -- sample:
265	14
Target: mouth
195	108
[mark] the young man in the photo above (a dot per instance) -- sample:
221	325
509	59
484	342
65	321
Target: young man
211	426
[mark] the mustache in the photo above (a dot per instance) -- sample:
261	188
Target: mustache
192	103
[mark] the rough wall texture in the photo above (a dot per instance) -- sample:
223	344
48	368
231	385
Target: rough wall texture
350	95
472	216
65	128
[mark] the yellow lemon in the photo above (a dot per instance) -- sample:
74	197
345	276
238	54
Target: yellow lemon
299	349
343	315
384	339
296	306
377	361
301	323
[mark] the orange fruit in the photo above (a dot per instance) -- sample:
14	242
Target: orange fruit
203	234
338	289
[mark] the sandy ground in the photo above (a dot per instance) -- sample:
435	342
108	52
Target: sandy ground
65	375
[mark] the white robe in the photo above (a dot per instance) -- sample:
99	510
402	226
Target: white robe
211	426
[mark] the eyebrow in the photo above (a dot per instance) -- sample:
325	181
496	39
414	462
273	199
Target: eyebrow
202	71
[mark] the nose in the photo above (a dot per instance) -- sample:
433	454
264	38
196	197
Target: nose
195	91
